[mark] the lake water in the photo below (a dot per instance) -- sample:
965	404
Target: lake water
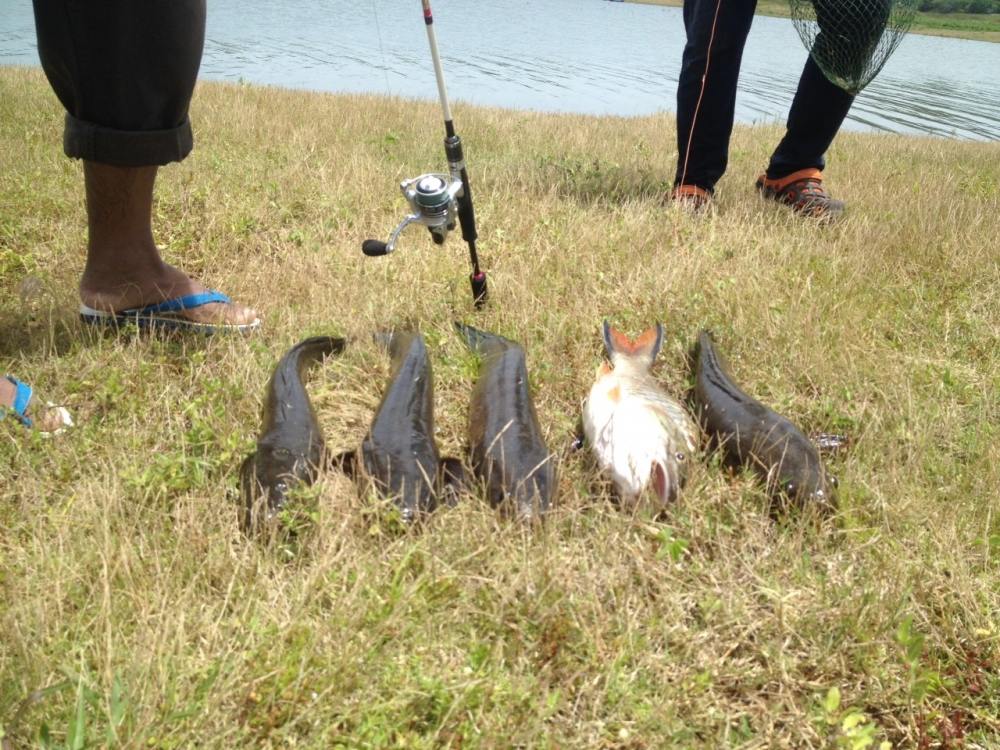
586	56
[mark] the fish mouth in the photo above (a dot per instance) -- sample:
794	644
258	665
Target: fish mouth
824	498
525	509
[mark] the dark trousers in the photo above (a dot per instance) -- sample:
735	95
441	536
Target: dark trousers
817	111
125	71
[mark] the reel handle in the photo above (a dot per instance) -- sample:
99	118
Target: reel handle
374	248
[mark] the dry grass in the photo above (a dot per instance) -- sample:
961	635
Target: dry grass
132	613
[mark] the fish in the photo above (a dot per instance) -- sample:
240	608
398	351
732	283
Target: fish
637	433
749	434
399	453
290	450
506	448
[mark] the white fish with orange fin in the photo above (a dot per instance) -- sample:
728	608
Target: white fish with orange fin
639	434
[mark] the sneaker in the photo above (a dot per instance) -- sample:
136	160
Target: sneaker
691	198
803	191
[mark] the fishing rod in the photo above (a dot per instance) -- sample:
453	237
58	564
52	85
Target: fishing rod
436	199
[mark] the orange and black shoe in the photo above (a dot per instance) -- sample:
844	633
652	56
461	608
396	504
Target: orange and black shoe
803	191
691	198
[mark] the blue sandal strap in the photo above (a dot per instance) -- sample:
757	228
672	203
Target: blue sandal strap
178	304
22	398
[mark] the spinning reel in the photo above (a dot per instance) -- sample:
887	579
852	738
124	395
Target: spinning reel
433	200
440	201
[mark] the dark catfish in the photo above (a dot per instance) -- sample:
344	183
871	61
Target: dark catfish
506	448
399	452
750	434
290	449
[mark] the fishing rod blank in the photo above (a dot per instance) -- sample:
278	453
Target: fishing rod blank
436	199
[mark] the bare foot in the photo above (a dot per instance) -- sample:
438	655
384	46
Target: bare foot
124	268
110	292
44	419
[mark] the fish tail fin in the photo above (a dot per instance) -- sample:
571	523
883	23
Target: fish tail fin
704	351
701	342
482	342
320	346
645	346
303	354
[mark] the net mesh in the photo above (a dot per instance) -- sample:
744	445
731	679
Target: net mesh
850	40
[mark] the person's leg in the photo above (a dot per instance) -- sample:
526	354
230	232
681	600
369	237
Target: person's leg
818	110
125	72
124	269
713	52
794	174
847	42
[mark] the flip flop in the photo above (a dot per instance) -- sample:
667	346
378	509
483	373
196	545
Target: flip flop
166	315
22	399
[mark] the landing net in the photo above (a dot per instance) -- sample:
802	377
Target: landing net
850	40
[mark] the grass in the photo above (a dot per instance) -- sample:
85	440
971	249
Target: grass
133	614
984	27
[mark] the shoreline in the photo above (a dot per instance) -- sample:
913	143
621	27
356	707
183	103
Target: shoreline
850	126
952	25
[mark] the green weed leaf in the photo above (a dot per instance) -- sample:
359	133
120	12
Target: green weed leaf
832	701
76	737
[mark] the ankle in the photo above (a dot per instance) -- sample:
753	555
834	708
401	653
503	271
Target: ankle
134	281
7	393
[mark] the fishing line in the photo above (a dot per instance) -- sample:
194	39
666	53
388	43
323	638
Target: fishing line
704	79
441	202
381	49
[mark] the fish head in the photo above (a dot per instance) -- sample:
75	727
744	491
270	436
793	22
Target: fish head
405	473
812	485
415	498
267	479
531	498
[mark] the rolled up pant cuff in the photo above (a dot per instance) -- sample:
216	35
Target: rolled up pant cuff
126	148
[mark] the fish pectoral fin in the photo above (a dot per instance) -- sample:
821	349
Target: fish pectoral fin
453	479
252	495
249	486
346	462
